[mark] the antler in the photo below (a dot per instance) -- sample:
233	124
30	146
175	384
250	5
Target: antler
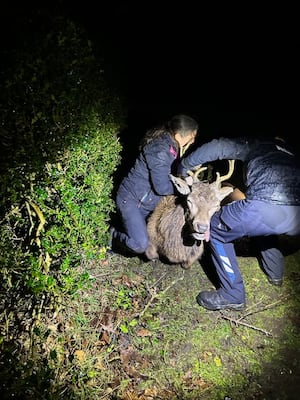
196	171
228	175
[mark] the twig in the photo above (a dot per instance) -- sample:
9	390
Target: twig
97	276
158	280
267	307
155	295
110	392
239	322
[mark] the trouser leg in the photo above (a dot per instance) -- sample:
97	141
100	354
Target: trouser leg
259	220
206	264
231	282
224	257
270	258
252	219
277	220
134	234
230	223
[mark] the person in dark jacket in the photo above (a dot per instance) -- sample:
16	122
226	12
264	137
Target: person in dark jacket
271	208
148	180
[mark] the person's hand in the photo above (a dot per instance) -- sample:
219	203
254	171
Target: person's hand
182	171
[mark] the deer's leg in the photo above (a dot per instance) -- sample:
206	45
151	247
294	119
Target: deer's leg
151	252
196	256
186	265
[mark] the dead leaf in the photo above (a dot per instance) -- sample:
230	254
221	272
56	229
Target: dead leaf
144	332
105	338
80	355
151	393
99	364
201	383
188	375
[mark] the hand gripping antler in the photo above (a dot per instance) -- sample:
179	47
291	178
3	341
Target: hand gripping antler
228	175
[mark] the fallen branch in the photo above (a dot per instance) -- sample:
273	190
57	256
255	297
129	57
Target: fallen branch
267	307
158	280
239	322
155	295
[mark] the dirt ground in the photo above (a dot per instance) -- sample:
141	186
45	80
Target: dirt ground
256	349
138	334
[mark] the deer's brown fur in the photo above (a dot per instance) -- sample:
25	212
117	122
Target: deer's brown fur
180	223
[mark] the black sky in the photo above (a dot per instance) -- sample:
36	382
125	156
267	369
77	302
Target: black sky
234	67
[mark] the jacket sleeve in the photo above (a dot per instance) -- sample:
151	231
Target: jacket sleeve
159	161
217	149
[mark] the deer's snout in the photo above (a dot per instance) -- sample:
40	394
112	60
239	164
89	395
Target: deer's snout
201	228
201	232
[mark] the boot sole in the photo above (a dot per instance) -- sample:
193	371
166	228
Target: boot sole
234	307
275	282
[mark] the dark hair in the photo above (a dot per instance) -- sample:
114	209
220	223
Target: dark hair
181	123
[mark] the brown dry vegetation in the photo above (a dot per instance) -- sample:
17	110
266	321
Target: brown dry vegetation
137	333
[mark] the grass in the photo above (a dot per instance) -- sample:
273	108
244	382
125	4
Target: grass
137	333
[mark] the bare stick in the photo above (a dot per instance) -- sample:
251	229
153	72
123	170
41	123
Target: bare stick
238	322
154	295
267	307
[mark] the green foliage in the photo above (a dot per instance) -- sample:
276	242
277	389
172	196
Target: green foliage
59	136
124	298
60	126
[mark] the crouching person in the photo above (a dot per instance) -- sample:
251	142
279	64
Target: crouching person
148	180
271	208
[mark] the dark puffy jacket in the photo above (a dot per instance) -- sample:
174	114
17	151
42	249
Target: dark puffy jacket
271	170
148	179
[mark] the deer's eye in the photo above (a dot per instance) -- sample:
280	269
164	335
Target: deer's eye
191	205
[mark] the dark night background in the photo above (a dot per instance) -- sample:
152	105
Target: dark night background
233	68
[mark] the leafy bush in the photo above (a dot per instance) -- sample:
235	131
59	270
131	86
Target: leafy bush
60	124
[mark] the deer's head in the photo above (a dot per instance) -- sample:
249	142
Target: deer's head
202	200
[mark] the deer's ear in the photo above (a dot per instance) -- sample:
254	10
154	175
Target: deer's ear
180	184
189	180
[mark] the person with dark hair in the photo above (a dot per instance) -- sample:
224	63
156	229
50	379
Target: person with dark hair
271	207
148	180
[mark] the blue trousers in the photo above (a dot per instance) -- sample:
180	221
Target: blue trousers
250	218
132	235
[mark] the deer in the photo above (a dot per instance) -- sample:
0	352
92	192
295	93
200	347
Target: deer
180	223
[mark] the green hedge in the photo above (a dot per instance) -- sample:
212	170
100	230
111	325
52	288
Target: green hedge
60	127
